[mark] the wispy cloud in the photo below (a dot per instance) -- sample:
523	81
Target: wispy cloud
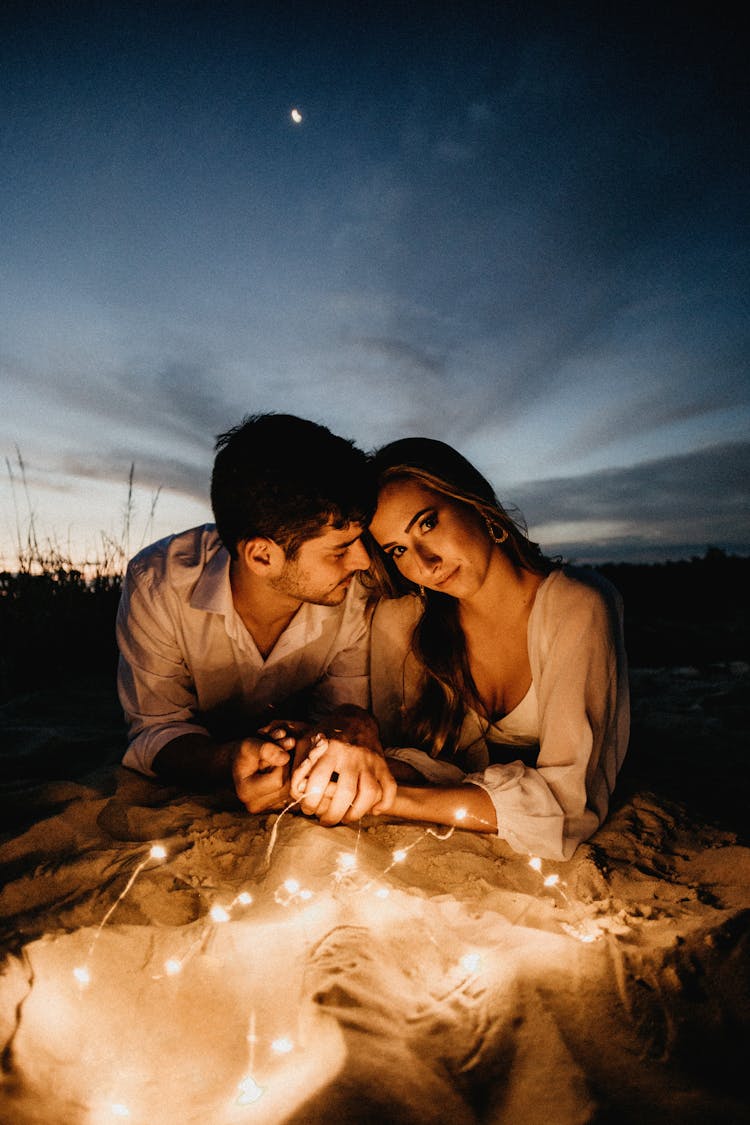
190	478
663	504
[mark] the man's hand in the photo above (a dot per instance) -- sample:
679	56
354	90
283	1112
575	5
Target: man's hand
290	735
260	772
339	782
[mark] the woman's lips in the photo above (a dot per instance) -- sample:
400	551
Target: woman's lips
442	581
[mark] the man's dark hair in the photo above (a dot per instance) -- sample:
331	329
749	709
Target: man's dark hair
285	478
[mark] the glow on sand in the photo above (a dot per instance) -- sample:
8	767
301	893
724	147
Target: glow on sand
232	1000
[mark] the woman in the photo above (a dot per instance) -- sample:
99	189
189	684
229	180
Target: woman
500	674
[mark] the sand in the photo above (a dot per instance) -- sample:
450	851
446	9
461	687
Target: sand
271	970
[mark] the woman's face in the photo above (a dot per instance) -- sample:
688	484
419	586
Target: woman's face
434	541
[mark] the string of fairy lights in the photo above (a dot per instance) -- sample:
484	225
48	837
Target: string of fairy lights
292	892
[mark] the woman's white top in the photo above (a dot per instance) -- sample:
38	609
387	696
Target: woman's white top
562	746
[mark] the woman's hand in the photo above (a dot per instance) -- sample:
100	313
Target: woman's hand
340	782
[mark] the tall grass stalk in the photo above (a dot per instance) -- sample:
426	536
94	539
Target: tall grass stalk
57	615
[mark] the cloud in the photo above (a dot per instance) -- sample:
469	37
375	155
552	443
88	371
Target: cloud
400	356
188	478
162	400
699	498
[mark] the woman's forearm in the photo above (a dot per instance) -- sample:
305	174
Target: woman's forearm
462	806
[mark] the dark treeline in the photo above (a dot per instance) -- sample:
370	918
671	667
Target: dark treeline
57	627
691	612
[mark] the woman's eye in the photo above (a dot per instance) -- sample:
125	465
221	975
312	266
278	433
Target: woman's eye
428	522
397	552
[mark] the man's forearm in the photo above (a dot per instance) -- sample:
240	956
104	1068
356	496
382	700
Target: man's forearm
195	760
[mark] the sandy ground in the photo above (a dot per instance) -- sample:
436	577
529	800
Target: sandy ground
270	970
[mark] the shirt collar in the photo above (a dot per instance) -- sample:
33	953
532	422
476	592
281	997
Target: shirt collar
213	592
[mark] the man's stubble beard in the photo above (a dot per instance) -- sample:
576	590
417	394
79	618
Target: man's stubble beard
302	589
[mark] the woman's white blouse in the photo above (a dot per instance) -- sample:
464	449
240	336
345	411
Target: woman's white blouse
576	713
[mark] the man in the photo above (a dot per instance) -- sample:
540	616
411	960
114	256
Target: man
222	627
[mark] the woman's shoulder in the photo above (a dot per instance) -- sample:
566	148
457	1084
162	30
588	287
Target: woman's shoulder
576	610
577	588
397	615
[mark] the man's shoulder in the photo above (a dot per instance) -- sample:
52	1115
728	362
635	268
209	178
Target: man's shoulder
177	558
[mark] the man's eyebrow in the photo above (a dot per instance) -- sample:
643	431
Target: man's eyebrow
346	543
409	526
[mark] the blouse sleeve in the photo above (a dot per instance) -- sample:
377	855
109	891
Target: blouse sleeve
579	669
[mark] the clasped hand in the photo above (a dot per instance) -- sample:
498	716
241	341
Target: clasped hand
337	781
260	772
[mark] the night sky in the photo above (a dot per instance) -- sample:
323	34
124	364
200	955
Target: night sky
520	230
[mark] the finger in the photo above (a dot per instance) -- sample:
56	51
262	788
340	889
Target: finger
274	730
272	755
316	797
318	747
388	788
299	778
313	750
282	736
288	726
368	795
263	783
260	788
344	795
309	773
254	756
318	778
280	747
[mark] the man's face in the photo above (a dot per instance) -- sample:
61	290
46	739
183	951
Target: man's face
322	570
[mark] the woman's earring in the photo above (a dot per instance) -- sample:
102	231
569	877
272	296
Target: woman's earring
422	593
492	532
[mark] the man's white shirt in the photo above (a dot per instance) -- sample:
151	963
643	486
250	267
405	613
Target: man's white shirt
188	664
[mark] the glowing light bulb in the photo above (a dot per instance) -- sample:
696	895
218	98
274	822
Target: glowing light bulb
158	851
382	892
471	962
119	1110
536	863
245	898
399	855
249	1090
172	967
219	914
291	885
552	880
82	975
282	1046
460	814
305	894
347	861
